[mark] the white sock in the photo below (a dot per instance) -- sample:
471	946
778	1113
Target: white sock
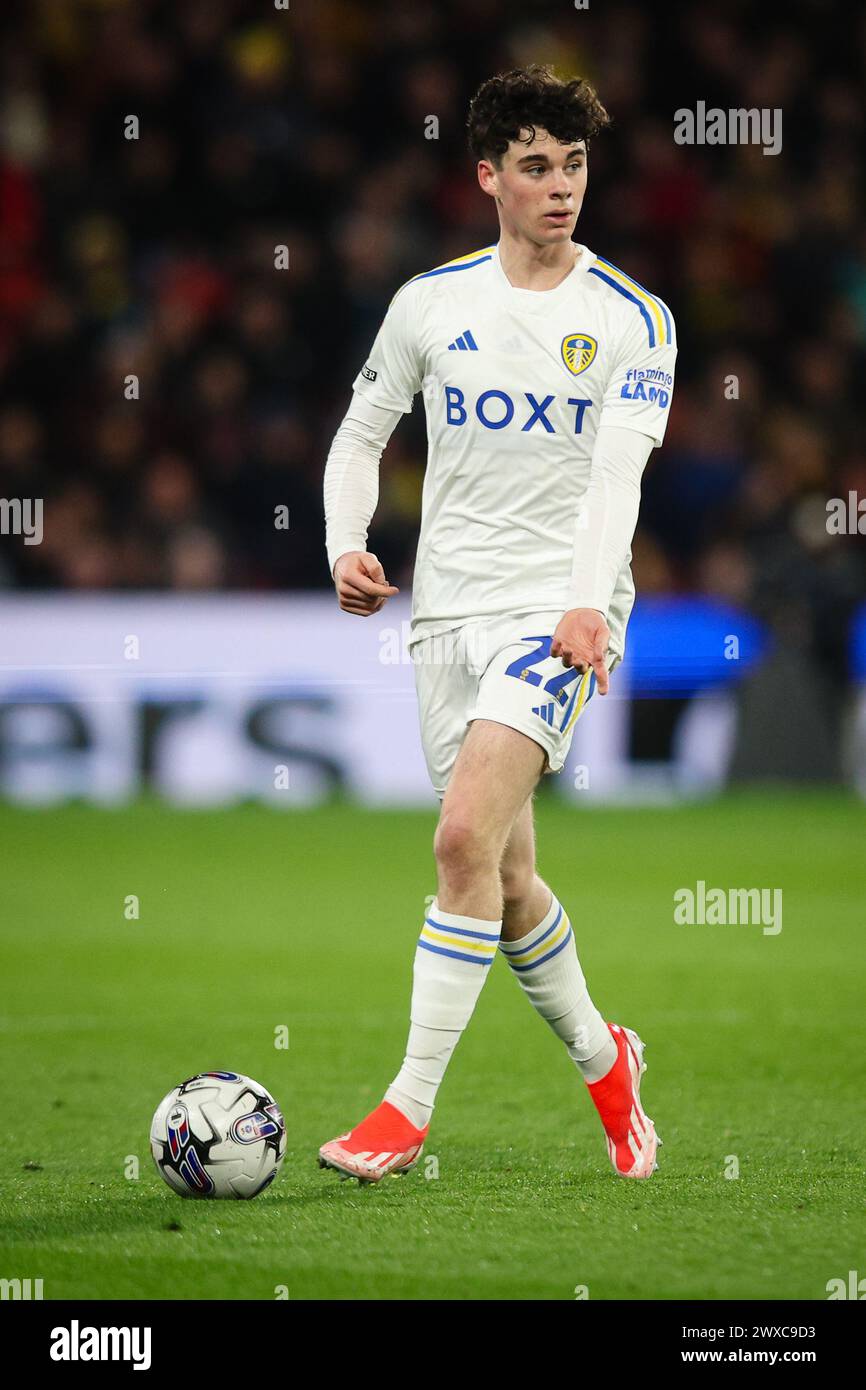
545	964
452	961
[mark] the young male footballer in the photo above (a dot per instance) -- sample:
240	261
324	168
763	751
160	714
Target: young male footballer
547	374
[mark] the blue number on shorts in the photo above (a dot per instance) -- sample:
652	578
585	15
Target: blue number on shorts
520	667
556	686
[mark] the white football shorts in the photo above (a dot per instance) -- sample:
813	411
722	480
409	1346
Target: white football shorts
498	669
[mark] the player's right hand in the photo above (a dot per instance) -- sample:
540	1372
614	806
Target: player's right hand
361	584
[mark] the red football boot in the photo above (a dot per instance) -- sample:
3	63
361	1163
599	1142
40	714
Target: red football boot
385	1142
631	1135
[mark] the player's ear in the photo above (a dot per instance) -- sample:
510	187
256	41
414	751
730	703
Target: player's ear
487	178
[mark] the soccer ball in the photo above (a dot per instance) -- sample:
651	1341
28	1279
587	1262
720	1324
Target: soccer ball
218	1135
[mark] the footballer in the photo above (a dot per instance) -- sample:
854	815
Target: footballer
547	374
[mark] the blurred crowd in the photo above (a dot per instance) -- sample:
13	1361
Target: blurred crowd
166	385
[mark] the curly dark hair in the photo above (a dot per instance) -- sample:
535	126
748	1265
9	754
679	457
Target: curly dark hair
531	97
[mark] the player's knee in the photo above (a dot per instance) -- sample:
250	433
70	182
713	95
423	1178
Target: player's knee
461	847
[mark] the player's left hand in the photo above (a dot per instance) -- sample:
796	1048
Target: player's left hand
581	640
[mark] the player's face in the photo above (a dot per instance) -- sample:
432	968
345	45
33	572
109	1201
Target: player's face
539	188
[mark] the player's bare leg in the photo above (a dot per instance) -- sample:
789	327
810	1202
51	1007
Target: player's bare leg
525	895
493	775
495	772
538	943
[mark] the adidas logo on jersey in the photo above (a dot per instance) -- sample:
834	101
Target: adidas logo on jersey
465	343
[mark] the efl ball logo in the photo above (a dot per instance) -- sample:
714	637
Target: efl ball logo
578	351
250	1128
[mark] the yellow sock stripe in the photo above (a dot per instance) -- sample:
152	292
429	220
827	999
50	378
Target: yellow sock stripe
548	944
581	698
460	943
643	295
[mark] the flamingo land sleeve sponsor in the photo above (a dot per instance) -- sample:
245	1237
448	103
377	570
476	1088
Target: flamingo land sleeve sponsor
649	384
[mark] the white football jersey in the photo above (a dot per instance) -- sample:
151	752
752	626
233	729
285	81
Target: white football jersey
516	383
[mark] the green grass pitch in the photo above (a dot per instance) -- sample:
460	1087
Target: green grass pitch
251	919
